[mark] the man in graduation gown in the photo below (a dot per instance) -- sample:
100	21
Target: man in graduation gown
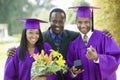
99	54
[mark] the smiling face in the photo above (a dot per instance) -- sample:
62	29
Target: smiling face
84	24
57	21
32	36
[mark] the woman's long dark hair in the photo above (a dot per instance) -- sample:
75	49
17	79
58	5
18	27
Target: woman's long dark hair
23	44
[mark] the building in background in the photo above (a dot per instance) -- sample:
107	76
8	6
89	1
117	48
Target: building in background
3	31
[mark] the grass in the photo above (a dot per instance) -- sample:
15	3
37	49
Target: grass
3	52
4	46
2	57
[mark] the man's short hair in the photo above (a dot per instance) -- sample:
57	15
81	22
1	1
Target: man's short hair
57	10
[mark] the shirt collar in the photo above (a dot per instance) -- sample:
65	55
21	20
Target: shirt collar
88	34
53	35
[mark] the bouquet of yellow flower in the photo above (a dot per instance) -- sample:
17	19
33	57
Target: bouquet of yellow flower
46	64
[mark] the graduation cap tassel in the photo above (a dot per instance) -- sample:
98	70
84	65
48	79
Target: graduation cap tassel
92	21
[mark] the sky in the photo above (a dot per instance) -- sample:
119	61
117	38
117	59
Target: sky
64	4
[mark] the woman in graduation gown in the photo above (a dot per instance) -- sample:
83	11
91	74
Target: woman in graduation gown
18	67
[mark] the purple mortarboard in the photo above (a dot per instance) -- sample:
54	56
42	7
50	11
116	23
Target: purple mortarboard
31	23
85	12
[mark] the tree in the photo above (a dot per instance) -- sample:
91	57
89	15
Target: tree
108	16
10	10
42	10
71	13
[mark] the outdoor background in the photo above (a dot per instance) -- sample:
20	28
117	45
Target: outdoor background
107	17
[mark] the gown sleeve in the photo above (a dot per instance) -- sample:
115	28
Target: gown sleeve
47	48
11	68
110	60
71	56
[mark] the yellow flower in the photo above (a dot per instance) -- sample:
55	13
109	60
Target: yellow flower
38	57
60	61
47	59
54	53
42	53
46	64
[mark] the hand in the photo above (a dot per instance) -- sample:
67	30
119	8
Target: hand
107	33
39	78
76	71
92	54
11	52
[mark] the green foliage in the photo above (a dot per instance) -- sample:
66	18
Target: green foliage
42	10
70	16
71	13
80	3
108	17
10	10
42	14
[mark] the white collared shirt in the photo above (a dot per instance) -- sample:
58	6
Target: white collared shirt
89	34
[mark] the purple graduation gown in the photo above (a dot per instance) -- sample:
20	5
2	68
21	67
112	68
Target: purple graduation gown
16	69
108	53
